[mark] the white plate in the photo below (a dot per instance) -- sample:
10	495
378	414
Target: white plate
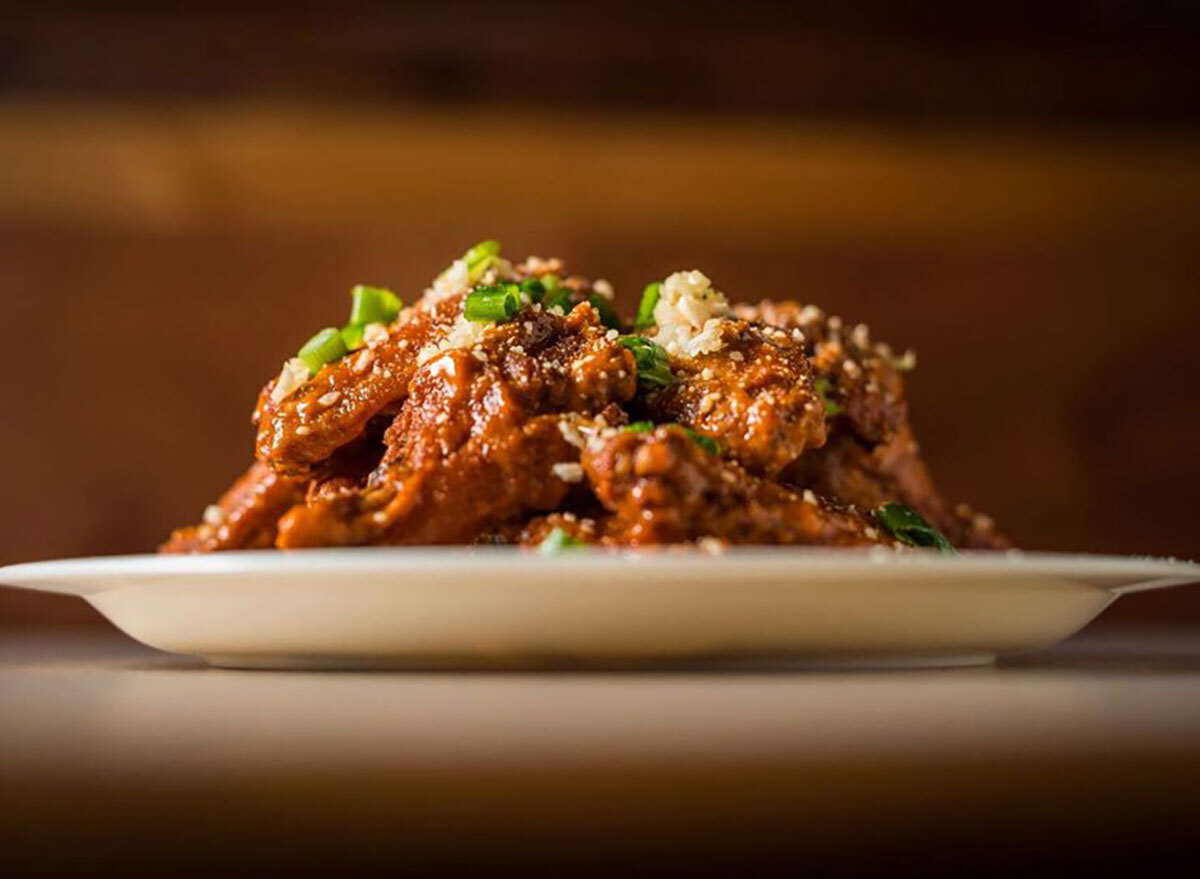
497	607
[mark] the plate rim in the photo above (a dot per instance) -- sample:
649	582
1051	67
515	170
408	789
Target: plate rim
89	575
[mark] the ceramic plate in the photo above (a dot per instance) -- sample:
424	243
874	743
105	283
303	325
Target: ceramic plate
498	607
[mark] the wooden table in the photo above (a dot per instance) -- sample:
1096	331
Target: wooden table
114	757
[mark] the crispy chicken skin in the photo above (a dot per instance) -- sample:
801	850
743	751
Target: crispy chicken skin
754	395
663	487
478	439
452	425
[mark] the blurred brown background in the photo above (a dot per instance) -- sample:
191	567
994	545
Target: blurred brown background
187	192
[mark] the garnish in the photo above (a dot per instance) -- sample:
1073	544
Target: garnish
325	347
653	364
559	540
557	297
907	526
608	315
480	257
370	305
707	443
534	288
645	312
823	386
352	336
493	303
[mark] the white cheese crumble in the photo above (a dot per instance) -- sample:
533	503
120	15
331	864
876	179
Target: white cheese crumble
571	433
568	471
463	334
214	515
689	314
444	365
374	335
449	283
810	314
291	379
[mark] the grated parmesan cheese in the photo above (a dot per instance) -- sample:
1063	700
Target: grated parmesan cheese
571	433
463	334
568	471
374	335
449	283
291	379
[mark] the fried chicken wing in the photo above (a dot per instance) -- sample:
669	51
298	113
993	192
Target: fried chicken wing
664	487
297	432
753	393
481	437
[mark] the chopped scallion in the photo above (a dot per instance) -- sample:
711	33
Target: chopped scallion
906	525
557	297
823	386
559	540
645	312
371	305
325	347
707	443
352	336
484	250
608	315
495	303
653	365
534	288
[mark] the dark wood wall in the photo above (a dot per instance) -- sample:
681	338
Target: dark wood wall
187	194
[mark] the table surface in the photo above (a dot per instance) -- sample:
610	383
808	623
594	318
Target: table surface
1066	750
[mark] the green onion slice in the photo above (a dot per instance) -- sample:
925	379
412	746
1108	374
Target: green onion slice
480	257
325	347
823	386
608	315
557	541
484	250
907	526
653	364
371	305
557	297
352	336
707	443
494	303
645	312
534	288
